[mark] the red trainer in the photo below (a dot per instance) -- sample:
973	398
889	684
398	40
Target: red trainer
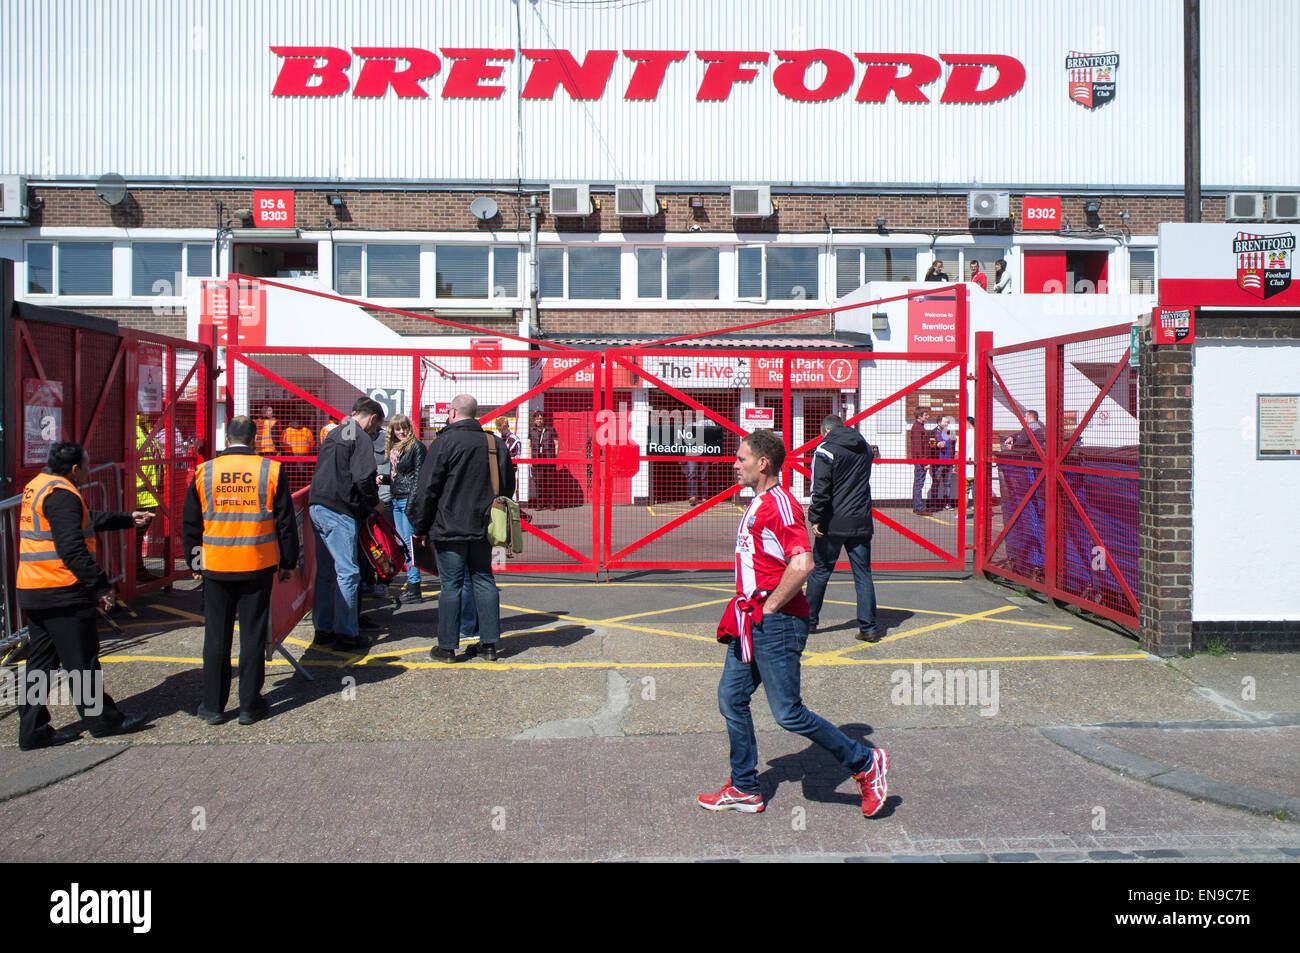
729	799
871	782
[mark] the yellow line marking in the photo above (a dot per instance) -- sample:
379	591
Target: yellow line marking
639	615
934	519
179	613
958	615
382	662
612	625
836	653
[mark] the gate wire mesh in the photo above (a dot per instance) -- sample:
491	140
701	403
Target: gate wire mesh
112	386
670	507
1075	535
612	452
544	406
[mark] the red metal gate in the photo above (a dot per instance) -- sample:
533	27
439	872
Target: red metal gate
678	516
1057	468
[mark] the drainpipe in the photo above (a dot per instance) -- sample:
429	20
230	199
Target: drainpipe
534	325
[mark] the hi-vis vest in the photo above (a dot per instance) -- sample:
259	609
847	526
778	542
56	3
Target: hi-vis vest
298	440
145	449
39	565
266	428
237	493
325	431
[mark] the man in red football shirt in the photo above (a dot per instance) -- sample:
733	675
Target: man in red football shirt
977	275
766	628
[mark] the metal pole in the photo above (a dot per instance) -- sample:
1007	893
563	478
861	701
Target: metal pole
1192	110
534	325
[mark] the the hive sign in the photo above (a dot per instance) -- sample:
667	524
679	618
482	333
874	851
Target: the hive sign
1092	77
1263	263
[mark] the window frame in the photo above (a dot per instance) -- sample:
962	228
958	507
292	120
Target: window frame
56	258
365	271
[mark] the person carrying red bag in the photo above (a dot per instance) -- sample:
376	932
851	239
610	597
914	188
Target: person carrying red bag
765	629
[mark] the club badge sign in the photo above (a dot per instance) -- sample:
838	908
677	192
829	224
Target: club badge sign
1175	326
42	419
1091	77
1263	263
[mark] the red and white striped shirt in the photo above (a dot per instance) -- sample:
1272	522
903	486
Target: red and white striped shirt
771	533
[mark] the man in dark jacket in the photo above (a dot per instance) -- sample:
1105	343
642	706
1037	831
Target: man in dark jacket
60	585
840	514
343	491
238	521
450	507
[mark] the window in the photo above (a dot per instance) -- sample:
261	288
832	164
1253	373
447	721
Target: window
693	274
776	273
854	267
70	268
155	268
580	272
390	271
649	273
1142	271
594	273
462	271
198	260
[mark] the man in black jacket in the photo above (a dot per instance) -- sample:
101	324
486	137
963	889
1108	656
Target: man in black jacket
238	526
343	490
450	506
60	591
840	514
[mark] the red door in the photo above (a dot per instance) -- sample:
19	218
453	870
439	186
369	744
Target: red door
573	439
1044	272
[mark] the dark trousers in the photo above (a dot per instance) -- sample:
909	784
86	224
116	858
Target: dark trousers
67	638
456	562
826	551
251	600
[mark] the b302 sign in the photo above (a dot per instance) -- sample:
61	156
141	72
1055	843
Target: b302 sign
1041	213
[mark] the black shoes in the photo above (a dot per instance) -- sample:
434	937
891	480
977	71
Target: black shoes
411	594
324	639
364	623
868	635
124	727
211	717
256	713
439	654
487	651
349	643
51	739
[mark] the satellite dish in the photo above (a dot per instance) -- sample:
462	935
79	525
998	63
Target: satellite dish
483	208
111	189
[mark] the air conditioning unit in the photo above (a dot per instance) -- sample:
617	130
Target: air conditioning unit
13	198
1284	206
571	199
988	206
635	200
751	201
1244	206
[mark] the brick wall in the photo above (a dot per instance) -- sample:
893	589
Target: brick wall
168	321
449	211
1165	493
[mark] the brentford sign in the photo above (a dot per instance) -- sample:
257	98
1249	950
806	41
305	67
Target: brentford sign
476	73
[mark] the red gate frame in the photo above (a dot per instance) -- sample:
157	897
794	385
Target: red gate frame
1051	466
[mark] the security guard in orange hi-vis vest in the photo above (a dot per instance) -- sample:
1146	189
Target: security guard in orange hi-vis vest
238	526
60	585
268	432
298	440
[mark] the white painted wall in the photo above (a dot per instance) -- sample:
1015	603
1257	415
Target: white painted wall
1245	551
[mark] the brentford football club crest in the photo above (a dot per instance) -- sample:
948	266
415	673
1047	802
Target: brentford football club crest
1263	263
1092	77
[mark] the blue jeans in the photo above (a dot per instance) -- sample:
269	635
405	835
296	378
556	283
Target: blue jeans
404	530
692	479
334	602
826	550
918	484
458	562
778	644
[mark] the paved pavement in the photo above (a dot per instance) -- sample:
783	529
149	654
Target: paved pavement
593	736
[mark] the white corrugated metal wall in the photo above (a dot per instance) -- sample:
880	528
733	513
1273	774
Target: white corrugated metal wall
162	89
